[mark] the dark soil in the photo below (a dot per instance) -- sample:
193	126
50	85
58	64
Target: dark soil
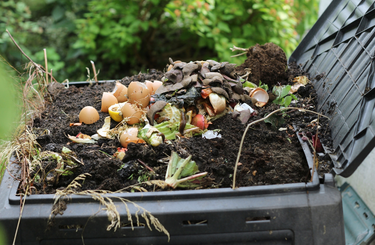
266	63
269	156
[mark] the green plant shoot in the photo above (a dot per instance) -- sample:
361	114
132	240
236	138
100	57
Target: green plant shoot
283	98
178	168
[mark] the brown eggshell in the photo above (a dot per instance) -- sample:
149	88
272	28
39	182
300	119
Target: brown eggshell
131	112
130	135
260	95
108	99
156	84
88	115
138	93
149	86
120	92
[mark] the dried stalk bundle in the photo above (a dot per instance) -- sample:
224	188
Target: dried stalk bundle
109	205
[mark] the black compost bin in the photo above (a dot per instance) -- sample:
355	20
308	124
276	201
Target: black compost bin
339	50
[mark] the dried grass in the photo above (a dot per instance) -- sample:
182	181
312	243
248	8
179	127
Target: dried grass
104	198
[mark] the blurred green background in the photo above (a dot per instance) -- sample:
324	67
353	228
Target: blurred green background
126	37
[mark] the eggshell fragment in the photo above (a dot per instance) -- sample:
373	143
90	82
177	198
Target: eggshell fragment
138	93
153	86
88	115
260	95
120	92
156	84
130	135
131	112
149	86
108	99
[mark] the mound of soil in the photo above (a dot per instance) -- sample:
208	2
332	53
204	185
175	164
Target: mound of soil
266	63
269	155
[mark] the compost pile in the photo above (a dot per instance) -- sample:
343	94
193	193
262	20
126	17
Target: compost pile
195	109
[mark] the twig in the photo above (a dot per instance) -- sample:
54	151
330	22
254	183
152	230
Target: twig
46	63
238	54
94	69
35	64
19	219
237	48
145	165
257	121
316	162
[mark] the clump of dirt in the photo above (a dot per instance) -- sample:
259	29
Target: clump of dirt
270	155
266	63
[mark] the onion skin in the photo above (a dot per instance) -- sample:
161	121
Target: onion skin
206	92
218	102
200	121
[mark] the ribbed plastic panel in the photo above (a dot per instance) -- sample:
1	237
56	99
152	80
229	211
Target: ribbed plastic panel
340	49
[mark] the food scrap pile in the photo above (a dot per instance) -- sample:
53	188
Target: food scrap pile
183	127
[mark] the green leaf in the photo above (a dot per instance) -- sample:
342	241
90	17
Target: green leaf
58	13
282	15
287	100
275	121
258	5
223	26
285	91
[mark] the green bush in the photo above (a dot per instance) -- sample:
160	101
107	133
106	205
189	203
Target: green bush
123	39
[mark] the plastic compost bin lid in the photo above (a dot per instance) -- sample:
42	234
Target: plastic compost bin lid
340	49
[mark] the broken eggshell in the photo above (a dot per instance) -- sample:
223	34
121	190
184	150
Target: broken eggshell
88	115
260	95
120	92
131	113
108	99
138	93
153	86
130	135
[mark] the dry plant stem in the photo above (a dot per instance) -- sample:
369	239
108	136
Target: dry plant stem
94	69
46	63
109	206
145	165
11	37
257	121
316	162
236	55
237	48
35	64
19	219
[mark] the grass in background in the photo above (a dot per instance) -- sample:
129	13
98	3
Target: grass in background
10	102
